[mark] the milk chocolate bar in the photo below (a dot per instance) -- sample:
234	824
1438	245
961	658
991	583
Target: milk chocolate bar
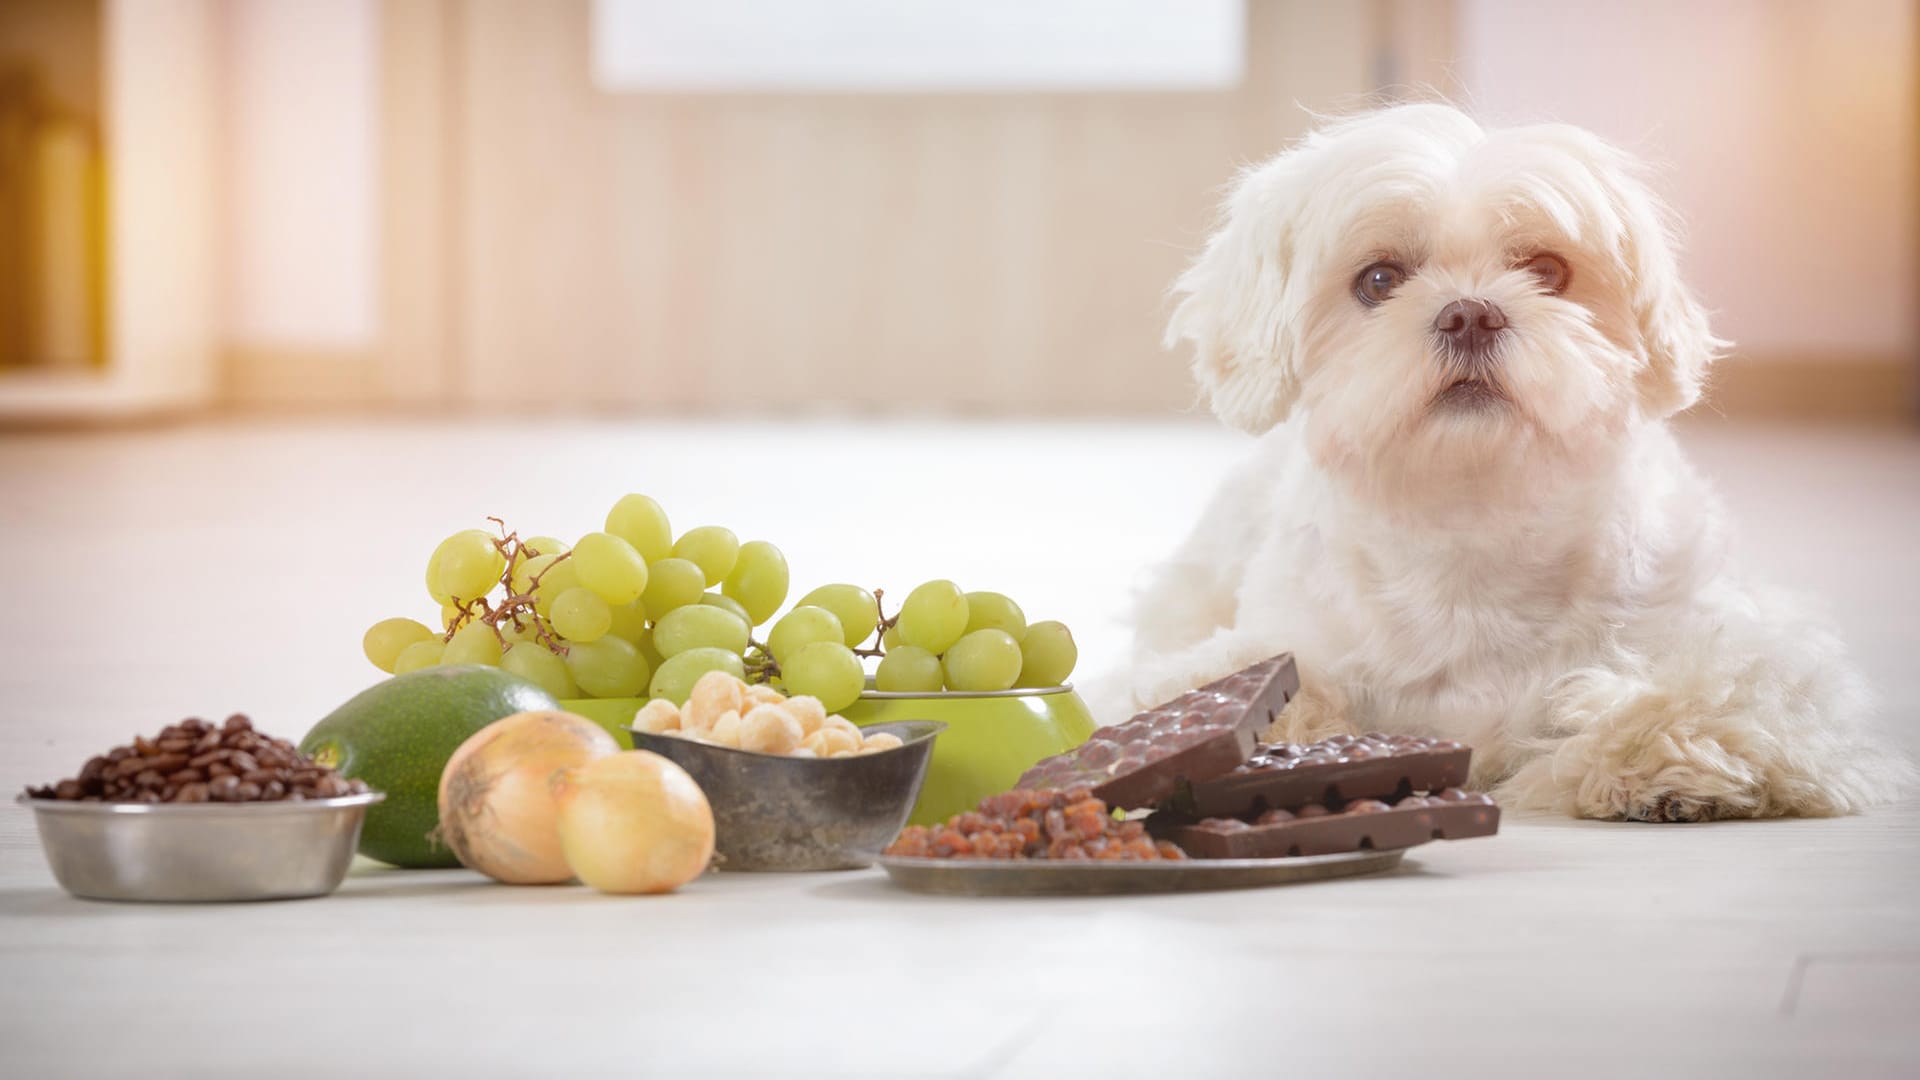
1332	771
1313	829
1199	735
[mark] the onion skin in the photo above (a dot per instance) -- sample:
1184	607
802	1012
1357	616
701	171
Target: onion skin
634	822
497	811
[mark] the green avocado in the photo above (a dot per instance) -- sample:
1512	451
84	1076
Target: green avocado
397	736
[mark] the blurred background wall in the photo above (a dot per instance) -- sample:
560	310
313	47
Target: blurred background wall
436	204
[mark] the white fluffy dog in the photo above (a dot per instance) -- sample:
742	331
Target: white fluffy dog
1466	515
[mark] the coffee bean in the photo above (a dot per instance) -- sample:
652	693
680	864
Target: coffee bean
194	761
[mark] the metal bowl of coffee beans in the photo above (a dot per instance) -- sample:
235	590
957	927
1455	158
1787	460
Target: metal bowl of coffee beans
201	812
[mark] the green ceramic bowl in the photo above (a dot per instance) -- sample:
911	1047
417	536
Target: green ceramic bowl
990	738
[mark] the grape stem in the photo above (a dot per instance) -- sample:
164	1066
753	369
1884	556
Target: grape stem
518	607
760	664
882	623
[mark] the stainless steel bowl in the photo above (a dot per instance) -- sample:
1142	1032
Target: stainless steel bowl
200	851
772	812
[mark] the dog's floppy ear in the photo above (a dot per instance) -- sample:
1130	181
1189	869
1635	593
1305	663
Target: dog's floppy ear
1674	336
1240	303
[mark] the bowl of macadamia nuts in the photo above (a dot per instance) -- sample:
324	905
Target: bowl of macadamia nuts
792	788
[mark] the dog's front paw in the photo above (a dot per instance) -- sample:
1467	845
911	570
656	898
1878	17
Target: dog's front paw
1671	807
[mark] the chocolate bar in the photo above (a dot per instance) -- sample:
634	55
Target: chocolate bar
1363	824
1332	771
1199	735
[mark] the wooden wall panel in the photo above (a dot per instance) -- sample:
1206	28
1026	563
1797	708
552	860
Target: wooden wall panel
917	252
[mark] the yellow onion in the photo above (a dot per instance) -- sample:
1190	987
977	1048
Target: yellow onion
497	810
633	823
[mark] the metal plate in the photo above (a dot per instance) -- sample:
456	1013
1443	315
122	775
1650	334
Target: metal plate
1039	877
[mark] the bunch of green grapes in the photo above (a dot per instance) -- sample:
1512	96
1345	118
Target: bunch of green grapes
630	611
941	639
633	611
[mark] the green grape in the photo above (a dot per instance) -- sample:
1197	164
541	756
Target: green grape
995	611
726	603
645	644
629	621
384	640
934	616
539	665
890	640
712	547
607	667
610	566
540	547
554	580
465	566
580	615
699	626
854	606
803	626
474	643
449	615
827	670
675	677
526	630
983	660
672	583
758	580
639	521
526	570
909	670
1048	655
420	654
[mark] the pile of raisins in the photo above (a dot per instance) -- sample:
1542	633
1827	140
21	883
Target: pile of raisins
194	761
1042	824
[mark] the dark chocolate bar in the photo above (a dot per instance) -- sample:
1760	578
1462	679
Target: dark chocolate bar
1363	824
1332	771
1197	736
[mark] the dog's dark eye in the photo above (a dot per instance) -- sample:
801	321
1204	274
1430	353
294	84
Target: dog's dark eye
1551	270
1378	281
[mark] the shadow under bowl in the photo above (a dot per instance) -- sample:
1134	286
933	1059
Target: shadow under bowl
772	812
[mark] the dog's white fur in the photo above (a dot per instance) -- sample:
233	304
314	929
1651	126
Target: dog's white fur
1545	579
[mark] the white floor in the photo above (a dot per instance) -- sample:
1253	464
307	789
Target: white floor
162	573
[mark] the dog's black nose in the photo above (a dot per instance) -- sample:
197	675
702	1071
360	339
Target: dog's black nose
1470	325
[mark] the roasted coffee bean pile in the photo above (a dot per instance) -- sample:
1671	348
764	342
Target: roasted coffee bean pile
194	761
1044	824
